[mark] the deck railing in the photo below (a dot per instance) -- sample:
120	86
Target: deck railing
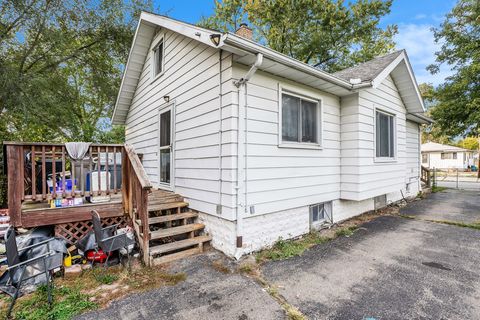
136	187
44	171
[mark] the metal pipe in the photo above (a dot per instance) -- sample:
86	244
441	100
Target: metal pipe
241	151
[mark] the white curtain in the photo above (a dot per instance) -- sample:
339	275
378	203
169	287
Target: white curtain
77	150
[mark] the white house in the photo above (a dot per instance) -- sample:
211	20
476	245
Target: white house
442	156
263	145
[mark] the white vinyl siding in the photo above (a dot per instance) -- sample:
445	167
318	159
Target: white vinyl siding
363	174
281	178
191	79
413	151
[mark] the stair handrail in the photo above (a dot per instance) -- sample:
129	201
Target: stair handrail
137	167
136	188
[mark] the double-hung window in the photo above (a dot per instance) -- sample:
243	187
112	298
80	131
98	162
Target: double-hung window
158	58
300	119
384	135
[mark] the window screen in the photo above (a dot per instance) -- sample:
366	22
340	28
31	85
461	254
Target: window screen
299	119
385	135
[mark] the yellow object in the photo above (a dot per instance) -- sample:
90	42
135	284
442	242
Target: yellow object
67	261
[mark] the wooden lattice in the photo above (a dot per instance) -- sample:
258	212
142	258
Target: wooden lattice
74	231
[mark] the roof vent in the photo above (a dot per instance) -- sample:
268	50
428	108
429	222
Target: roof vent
244	31
356	81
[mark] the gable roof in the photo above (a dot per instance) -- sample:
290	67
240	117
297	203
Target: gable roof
433	146
274	62
369	70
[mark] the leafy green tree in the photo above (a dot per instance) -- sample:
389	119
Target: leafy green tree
431	132
61	64
324	33
469	143
458	100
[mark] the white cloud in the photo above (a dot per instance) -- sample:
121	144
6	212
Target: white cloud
420	16
419	42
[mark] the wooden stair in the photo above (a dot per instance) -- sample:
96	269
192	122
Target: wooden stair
173	230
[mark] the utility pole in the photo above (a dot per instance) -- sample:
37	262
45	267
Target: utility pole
478	167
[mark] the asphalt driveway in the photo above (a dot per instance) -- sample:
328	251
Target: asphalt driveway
391	268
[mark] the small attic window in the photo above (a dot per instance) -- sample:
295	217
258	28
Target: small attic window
158	53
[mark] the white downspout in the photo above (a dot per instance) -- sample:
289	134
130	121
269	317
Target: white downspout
241	207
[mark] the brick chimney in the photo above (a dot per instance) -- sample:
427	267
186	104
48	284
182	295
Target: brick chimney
244	31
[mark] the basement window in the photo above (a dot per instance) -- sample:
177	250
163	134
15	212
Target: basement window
384	135
380	202
320	214
158	60
301	119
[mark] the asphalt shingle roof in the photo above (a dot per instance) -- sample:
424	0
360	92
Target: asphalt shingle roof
369	70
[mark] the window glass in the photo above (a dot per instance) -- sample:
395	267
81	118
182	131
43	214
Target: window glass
158	54
290	117
385	135
309	121
165	129
299	120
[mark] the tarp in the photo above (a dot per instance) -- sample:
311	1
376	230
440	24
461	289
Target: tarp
36	236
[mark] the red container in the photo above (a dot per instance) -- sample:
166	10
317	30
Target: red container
95	256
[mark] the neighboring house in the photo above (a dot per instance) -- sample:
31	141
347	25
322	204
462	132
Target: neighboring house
442	156
263	145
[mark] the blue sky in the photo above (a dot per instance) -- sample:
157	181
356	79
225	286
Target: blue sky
414	18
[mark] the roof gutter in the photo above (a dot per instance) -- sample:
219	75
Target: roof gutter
420	118
255	48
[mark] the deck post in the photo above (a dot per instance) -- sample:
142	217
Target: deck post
125	183
15	183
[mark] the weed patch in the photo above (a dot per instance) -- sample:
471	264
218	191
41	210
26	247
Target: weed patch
68	302
93	289
438	189
475	225
345	232
284	249
220	267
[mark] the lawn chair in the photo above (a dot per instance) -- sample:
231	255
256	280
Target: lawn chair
17	269
107	240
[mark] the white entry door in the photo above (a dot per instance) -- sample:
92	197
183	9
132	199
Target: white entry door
165	146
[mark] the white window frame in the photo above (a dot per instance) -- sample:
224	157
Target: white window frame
169	106
328	218
395	142
426	157
305	95
154	60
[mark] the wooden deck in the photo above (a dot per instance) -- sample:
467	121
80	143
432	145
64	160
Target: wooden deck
39	173
35	214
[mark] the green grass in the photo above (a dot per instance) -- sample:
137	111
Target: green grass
345	232
438	189
72	297
68	302
474	225
103	277
458	224
285	249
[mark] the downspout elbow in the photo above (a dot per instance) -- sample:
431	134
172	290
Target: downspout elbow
258	62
